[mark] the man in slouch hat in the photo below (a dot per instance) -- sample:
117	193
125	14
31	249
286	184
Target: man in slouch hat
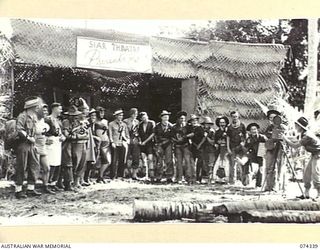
311	142
253	142
196	132
68	127
27	159
163	148
208	150
222	165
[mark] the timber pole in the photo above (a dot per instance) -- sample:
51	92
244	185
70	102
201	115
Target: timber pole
313	42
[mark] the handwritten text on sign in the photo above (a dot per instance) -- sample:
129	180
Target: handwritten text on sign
102	54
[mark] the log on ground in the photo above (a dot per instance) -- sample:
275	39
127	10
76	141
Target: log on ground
279	216
206	216
241	206
145	211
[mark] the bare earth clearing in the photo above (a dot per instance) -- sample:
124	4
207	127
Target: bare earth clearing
113	202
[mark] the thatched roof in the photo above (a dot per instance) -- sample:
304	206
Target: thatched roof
228	72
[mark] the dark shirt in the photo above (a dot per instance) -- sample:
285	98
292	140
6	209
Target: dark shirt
55	126
236	135
252	145
268	132
163	133
179	133
198	132
207	145
144	134
220	137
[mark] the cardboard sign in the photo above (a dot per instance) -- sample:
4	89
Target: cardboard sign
109	55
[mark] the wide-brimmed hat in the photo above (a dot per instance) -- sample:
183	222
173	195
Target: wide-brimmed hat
92	111
31	102
73	111
207	120
100	108
302	122
193	117
273	109
118	112
164	112
55	104
253	124
220	118
181	113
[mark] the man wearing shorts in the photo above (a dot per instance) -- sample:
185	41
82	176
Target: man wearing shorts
146	134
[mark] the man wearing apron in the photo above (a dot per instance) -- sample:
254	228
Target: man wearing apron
41	143
54	146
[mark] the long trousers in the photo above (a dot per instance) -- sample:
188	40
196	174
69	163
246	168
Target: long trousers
311	173
27	161
164	165
275	169
197	159
235	169
79	153
134	154
208	157
184	153
222	162
118	161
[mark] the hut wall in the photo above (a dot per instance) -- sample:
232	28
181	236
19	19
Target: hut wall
189	95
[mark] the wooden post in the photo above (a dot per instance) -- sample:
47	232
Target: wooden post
12	90
313	42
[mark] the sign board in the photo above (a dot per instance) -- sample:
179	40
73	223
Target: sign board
109	55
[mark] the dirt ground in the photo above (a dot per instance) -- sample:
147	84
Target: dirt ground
113	202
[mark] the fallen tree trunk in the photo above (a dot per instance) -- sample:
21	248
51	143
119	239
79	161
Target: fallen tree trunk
240	206
207	212
278	216
163	210
206	216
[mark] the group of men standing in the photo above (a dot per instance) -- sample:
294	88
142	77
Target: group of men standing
66	151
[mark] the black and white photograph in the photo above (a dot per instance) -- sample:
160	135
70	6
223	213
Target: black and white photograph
159	121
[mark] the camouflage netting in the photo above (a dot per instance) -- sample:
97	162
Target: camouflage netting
6	59
230	75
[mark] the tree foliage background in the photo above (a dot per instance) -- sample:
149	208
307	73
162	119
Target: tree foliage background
292	32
